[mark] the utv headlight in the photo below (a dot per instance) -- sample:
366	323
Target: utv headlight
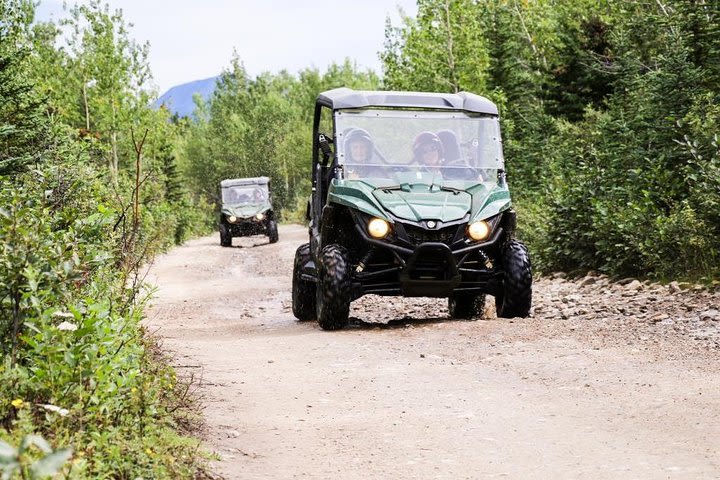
479	230
232	219
378	228
260	216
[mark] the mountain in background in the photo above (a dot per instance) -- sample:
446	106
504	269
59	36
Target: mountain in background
179	99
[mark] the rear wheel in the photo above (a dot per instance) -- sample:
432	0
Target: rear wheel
466	305
273	231
225	237
333	288
516	296
303	291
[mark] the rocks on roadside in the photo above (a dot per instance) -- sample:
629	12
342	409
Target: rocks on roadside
676	309
592	303
711	315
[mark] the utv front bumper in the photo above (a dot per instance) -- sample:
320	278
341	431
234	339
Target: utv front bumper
243	227
430	263
431	270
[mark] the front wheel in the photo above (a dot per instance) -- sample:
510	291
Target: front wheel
225	237
303	291
466	305
333	288
516	296
273	231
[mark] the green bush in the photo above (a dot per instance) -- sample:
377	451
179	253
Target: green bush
112	399
76	367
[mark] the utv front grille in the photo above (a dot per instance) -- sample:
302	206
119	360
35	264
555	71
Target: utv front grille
418	235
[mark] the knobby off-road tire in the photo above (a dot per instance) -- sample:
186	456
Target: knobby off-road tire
333	288
516	298
273	231
225	237
466	305
303	291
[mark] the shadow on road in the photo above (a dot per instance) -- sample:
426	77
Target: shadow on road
356	323
250	242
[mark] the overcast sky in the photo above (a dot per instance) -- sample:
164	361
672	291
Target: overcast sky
190	42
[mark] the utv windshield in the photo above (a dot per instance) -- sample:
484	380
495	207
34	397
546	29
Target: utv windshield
393	147
240	194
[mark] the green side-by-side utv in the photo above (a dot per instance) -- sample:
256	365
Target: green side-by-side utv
409	198
246	209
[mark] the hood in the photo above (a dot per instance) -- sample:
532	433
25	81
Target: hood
245	210
424	202
449	202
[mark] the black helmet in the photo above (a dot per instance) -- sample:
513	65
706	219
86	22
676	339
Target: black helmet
355	135
425	140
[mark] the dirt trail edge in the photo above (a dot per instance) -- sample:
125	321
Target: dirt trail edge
605	381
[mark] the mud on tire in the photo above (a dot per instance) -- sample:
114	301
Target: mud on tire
303	291
333	288
466	305
516	297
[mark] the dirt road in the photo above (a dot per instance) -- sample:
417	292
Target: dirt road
605	381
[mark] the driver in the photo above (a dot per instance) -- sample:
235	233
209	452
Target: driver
358	145
359	149
232	196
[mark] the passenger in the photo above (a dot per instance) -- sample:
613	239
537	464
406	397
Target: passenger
450	144
456	168
428	152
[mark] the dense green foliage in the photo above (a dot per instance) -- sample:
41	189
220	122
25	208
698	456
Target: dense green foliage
88	193
610	114
76	365
262	126
610	111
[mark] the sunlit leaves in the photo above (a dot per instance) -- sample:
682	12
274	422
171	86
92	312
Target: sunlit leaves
609	112
262	127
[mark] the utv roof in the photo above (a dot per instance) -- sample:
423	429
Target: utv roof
340	98
234	182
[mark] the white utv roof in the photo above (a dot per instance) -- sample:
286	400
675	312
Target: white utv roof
234	182
341	98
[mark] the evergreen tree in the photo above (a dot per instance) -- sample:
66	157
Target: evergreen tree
24	123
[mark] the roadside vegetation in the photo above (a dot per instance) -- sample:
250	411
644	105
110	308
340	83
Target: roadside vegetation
88	194
610	110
